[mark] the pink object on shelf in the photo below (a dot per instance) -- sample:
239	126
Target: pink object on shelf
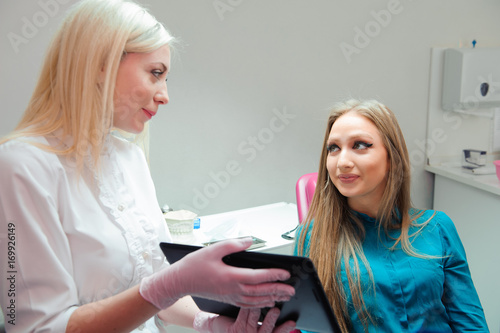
304	191
497	165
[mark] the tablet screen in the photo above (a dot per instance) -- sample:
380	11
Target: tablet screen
309	307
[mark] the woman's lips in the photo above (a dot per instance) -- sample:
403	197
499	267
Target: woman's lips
348	178
148	113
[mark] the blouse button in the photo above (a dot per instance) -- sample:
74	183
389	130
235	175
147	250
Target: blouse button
141	327
145	255
121	208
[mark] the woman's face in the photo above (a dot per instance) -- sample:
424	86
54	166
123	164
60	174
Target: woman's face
357	161
140	88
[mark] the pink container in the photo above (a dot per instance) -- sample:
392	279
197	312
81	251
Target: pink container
497	165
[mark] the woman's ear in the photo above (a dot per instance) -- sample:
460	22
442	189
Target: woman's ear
102	73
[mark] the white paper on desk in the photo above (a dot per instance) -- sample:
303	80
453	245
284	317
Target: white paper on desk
224	230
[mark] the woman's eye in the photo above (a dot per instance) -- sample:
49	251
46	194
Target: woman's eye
362	145
157	73
332	148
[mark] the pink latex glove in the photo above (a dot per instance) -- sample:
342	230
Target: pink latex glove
247	322
203	273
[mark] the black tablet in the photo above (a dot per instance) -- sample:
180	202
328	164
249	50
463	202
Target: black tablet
309	307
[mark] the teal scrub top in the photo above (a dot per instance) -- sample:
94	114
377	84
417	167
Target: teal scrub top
414	294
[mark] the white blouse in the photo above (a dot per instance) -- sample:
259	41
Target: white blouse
67	241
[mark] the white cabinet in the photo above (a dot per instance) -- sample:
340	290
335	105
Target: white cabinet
473	203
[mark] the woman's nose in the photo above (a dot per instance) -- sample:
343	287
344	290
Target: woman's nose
344	161
161	95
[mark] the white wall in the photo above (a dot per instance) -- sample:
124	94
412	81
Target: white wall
242	64
240	68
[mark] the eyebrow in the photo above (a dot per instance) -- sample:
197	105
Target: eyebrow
351	137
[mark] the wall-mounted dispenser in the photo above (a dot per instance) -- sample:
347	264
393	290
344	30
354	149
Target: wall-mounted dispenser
471	78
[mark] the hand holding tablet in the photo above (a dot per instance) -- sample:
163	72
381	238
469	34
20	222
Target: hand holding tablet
204	274
309	306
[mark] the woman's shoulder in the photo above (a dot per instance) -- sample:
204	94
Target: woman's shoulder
432	218
26	153
24	147
304	226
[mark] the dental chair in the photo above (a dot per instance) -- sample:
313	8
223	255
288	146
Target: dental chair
304	191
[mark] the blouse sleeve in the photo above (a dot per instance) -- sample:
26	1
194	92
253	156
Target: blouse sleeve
40	294
460	297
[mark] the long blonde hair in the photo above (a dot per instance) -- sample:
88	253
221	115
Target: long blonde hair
74	95
336	231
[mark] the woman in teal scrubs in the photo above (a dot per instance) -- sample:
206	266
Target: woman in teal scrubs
385	266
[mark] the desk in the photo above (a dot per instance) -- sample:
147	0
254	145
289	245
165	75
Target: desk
267	222
487	183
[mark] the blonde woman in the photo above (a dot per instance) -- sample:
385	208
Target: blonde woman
79	219
385	266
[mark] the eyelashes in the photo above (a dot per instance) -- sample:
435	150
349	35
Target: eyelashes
331	148
358	145
362	145
158	73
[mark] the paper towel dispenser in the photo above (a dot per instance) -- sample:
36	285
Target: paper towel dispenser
471	78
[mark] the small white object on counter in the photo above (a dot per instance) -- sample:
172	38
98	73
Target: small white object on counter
180	222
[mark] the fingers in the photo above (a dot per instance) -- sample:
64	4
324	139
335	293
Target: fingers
223	248
286	327
266	298
247	321
269	321
248	275
252	319
264	295
255	302
277	289
261	275
244	287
